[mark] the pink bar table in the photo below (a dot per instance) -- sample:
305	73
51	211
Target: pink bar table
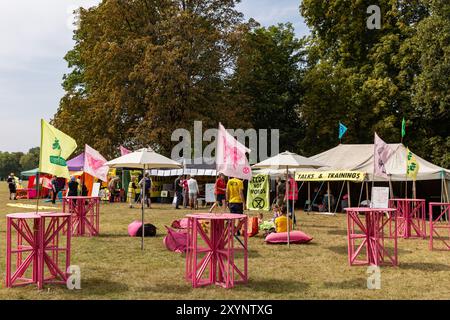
25	228
439	223
55	244
365	230
85	214
411	218
215	251
37	248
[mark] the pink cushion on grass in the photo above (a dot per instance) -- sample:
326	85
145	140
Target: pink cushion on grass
134	227
294	237
175	241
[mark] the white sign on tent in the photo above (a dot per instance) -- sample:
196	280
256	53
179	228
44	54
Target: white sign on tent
95	189
380	197
209	192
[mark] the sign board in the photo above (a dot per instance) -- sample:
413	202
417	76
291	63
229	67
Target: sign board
258	193
330	176
209	192
95	189
380	197
164	194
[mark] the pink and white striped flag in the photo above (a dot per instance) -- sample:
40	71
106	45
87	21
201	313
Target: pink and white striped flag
230	156
124	151
381	154
94	163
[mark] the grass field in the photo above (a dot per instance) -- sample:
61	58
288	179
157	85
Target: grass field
113	266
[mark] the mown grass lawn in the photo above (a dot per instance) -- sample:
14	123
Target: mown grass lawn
113	266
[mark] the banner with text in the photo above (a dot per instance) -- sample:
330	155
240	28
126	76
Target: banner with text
330	176
258	193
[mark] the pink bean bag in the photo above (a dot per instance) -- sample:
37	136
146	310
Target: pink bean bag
180	224
133	228
175	241
294	237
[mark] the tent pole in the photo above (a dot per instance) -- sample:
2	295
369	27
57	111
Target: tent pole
339	198
367	191
309	195
329	200
349	197
414	189
391	190
406	187
287	207
360	193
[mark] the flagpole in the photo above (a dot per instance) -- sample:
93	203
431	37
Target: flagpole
37	193
287	207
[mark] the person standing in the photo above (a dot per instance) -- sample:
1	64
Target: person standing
112	188
281	192
193	192
220	189
292	196
55	188
185	192
235	195
146	184
178	186
12	187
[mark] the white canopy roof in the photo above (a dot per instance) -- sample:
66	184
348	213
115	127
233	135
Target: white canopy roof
286	160
359	157
144	159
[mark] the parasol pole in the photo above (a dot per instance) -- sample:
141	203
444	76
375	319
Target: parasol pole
287	207
142	209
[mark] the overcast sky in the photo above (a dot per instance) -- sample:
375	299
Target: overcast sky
35	36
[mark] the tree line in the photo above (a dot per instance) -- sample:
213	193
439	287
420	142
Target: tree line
15	162
141	69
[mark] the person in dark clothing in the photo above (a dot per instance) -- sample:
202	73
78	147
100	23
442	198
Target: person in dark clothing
178	191
12	186
55	188
73	187
84	190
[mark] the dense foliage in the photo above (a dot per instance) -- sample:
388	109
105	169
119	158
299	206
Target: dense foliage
15	162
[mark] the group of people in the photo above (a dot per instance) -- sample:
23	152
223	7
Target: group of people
186	192
12	185
135	188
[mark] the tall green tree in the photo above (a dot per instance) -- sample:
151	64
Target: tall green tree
267	81
30	160
141	69
10	163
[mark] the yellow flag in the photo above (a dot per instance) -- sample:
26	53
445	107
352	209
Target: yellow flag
56	147
412	166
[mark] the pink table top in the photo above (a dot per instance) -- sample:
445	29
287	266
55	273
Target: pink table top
34	215
213	216
403	199
358	209
26	215
81	197
54	214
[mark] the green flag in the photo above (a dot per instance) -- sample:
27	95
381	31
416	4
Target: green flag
403	128
258	193
56	147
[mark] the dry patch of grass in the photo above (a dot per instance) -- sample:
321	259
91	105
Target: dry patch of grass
114	267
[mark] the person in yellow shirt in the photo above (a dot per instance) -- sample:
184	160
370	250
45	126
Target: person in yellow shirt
281	221
235	195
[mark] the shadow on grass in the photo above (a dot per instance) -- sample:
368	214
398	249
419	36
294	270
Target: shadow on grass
338	232
102	286
424	266
343	250
276	286
358	283
319	226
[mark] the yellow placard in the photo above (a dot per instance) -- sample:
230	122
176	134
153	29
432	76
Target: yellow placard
330	176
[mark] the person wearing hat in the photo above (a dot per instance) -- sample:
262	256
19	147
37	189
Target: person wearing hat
12	186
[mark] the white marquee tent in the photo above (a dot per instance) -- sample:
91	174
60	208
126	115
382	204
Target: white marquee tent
359	157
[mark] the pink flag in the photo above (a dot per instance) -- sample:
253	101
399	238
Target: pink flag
46	183
381	154
124	151
230	156
94	163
